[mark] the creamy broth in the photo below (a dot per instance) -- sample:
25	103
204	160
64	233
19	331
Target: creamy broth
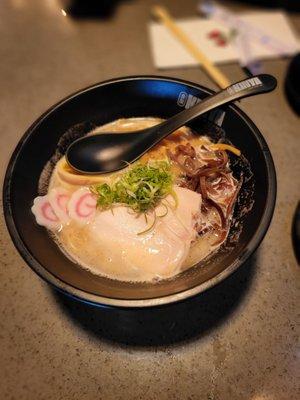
122	254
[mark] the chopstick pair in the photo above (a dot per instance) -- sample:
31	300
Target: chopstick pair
215	73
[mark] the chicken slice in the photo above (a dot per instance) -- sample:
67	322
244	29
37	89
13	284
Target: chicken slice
118	250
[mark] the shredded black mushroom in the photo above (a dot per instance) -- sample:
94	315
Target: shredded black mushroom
208	173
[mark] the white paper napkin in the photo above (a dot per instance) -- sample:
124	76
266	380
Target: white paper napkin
169	53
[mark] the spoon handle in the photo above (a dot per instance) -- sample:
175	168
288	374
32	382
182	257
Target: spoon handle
249	87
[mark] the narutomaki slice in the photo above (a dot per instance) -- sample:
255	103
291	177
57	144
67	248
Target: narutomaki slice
82	205
59	198
44	213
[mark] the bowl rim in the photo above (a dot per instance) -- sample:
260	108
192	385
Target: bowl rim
102	301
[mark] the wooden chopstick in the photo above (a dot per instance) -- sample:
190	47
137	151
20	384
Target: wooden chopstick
216	75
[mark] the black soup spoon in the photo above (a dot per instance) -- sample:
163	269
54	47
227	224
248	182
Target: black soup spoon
108	152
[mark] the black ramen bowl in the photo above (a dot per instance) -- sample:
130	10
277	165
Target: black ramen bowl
134	97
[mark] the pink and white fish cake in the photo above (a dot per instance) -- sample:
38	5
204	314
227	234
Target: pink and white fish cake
82	206
44	213
59	198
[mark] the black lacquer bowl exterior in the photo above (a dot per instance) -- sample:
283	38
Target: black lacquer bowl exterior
102	103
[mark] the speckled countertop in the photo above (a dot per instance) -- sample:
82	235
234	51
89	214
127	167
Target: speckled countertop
237	341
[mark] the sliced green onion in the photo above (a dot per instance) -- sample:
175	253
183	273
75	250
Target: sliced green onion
141	187
149	228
